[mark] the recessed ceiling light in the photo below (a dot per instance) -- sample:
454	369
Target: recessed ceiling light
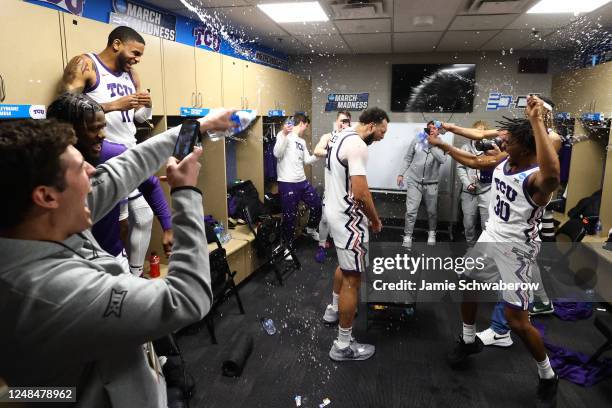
294	12
566	6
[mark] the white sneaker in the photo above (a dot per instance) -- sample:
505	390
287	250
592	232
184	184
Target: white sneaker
314	234
407	242
331	315
431	238
490	338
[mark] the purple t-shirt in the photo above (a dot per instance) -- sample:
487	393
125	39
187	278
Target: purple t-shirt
106	230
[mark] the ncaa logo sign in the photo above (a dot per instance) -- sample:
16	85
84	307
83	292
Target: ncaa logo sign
38	112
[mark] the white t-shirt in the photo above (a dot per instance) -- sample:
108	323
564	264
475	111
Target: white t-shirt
347	155
292	153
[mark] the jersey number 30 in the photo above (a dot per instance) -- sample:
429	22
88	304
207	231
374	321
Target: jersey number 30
502	209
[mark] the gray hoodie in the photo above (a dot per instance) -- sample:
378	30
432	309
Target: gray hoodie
469	176
422	162
70	317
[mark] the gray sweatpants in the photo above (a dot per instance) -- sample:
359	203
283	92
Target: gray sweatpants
414	192
471	205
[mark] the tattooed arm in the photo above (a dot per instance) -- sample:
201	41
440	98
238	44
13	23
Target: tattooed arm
78	74
81	73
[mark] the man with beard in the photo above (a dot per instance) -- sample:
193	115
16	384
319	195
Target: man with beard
349	207
89	122
110	79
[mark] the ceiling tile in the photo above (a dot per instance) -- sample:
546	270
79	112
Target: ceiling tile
326	44
416	42
287	45
516	39
482	22
318	28
464	40
361	26
249	20
369	43
443	12
541	21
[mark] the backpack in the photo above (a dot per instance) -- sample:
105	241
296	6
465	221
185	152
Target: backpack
244	195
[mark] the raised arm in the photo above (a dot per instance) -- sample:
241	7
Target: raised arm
466	158
471	133
320	149
282	142
546	180
120	175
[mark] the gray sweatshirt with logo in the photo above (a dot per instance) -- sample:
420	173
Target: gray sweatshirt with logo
422	162
70	317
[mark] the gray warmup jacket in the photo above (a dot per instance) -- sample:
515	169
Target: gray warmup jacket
469	176
422	165
70	317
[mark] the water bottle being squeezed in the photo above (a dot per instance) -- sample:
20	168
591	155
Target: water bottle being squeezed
242	119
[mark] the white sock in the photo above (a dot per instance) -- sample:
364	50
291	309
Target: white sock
469	333
335	298
545	370
344	337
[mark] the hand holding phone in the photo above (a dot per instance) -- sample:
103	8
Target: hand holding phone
189	136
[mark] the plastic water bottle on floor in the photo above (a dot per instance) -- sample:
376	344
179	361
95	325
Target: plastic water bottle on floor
242	119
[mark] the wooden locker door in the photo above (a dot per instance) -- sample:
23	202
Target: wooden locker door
286	92
84	35
150	71
258	88
30	33
233	83
179	76
208	78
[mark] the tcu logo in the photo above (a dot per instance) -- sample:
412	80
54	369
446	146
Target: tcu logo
505	189
73	6
502	207
205	36
299	146
119	89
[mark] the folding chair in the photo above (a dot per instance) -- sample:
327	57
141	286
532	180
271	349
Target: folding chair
223	285
270	247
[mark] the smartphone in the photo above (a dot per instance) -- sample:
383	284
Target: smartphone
189	137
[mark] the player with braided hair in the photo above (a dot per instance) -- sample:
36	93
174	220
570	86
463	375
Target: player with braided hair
88	119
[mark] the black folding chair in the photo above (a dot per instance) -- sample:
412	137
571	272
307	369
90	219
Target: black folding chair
223	285
269	245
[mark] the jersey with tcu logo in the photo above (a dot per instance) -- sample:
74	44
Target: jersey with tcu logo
109	86
513	216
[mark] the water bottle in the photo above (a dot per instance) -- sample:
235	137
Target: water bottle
219	232
422	142
598	227
438	124
242	119
154	265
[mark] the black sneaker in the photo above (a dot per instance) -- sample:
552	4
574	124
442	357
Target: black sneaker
547	392
463	350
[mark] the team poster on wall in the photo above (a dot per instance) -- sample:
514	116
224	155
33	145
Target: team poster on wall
72	6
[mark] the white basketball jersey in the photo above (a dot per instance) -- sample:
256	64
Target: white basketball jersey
110	85
513	216
347	222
